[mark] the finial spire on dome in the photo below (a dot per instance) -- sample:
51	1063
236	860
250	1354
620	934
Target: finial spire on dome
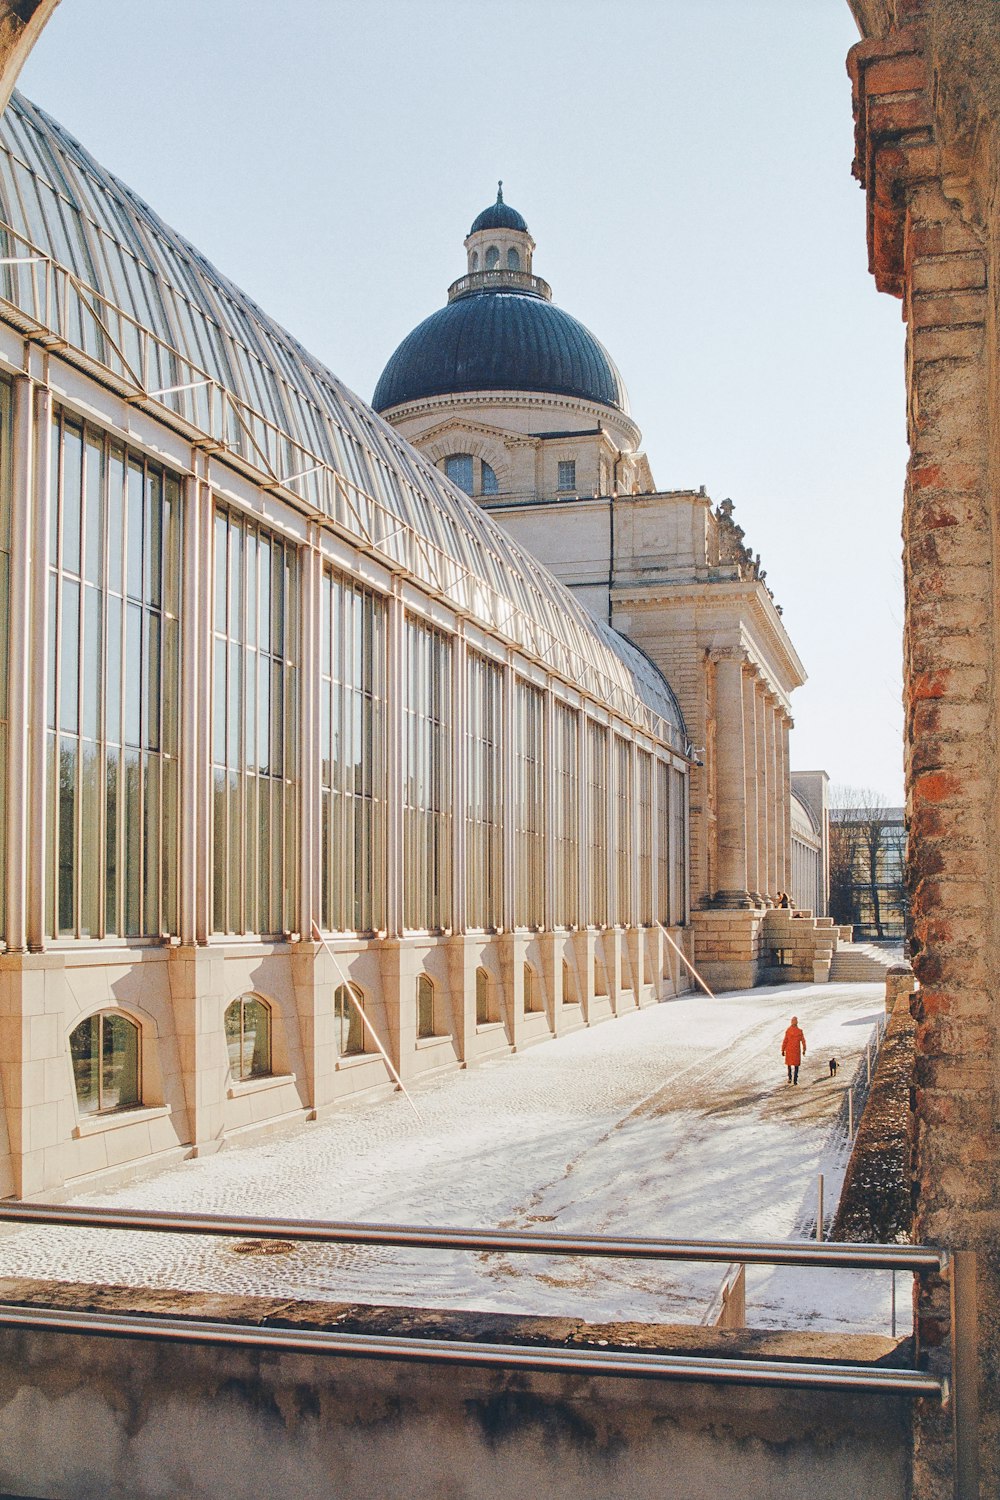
500	190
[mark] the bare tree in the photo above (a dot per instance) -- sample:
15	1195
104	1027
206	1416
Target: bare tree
865	857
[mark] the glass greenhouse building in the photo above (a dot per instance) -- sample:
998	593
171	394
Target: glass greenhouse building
297	748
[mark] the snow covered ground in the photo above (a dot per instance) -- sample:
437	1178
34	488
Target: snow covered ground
673	1121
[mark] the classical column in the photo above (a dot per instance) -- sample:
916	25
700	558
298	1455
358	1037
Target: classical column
730	782
20	659
763	792
752	782
395	762
771	760
784	725
310	790
38	829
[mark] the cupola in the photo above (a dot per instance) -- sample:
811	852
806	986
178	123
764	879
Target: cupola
499	240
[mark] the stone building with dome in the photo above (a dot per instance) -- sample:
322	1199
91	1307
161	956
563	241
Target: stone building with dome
311	777
522	407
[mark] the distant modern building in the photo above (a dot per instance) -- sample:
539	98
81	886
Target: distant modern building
267	672
868	870
524	408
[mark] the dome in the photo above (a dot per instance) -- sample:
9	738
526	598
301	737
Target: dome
499	215
500	340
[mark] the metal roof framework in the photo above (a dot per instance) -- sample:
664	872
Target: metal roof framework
89	269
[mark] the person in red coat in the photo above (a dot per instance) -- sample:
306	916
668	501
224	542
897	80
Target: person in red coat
793	1049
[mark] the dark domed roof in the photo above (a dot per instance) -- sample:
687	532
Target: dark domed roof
499	215
500	341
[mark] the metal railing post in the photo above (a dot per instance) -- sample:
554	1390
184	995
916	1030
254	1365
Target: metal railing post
965	1374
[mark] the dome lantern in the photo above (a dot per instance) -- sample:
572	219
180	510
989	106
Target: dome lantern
499	242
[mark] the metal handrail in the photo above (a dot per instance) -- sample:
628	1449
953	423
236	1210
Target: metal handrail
916	1258
703	1369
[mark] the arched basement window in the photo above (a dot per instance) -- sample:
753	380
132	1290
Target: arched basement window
348	1001
248	1037
458	467
532	997
425	1006
105	1053
513	260
490	484
568	991
492	258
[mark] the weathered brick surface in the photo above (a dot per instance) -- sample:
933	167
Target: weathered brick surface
927	114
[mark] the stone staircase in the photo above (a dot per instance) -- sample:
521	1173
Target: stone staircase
859	963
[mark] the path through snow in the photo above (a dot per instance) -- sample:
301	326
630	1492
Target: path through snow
673	1121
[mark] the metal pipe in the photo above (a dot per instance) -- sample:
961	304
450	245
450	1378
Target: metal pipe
685	961
507	1356
365	1022
819	1208
508	1241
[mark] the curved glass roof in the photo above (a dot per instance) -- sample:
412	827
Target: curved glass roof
86	261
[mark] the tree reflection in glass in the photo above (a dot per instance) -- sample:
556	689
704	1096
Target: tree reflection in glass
105	1053
248	1038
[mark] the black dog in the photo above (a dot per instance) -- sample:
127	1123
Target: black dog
833	1067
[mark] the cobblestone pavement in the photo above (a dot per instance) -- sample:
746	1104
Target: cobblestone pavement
672	1121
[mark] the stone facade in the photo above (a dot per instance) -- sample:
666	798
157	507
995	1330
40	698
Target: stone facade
926	83
673	573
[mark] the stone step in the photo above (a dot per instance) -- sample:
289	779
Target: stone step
860	963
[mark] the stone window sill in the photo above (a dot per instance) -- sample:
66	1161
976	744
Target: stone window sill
355	1059
432	1041
488	1026
239	1087
117	1119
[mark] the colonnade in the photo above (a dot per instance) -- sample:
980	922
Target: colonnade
752	784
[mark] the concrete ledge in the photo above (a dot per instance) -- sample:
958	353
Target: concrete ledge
98	1418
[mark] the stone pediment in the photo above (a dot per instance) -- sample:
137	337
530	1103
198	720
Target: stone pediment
484	431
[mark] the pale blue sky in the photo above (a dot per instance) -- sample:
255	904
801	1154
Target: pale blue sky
684	166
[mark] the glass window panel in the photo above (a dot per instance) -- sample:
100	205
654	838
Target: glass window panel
458	467
491	485
151	694
94	511
248	1037
54	507
93	656
116	482
91	860
133	678
221	570
172	546
348	1002
85	1051
67	835
112	920
154	537
132	820
529	807
69	658
72	483
133	571
150	864
53	654
119	1063
254	749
